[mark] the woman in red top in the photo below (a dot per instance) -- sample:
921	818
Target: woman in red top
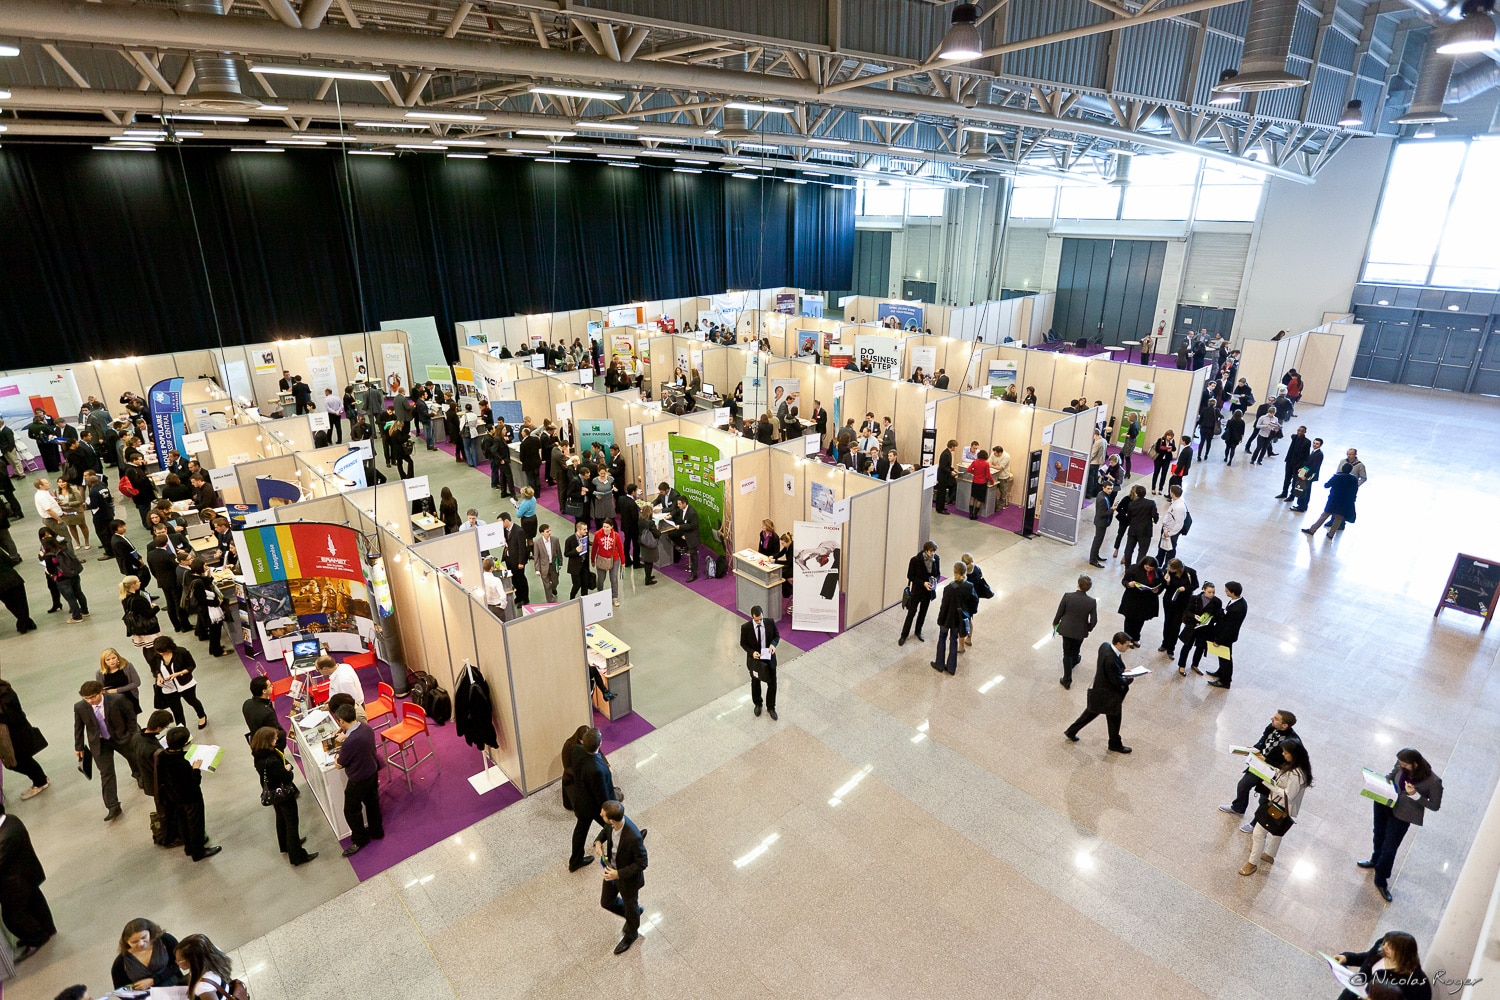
983	476
608	548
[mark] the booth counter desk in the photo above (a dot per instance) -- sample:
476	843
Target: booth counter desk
327	782
757	581
965	491
611	658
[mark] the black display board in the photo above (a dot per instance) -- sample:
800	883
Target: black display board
1033	491
1473	588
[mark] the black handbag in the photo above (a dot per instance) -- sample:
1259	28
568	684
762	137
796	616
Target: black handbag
1274	818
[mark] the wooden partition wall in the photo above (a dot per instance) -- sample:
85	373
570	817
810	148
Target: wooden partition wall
283	467
1320	355
549	687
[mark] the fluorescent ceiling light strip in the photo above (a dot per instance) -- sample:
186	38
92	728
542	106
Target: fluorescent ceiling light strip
4	95
666	153
794	180
119	146
549	133
745	177
443	116
9	50
770	109
760	145
982	130
564	148
467	156
371	152
415	125
632	166
225	119
694	163
256	149
816	173
596	95
686	170
464	142
424	147
828	142
661	138
550	159
887	119
617	156
607	126
320	72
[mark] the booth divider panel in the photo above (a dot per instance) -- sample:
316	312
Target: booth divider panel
424	580
903	534
460	610
282	467
753	507
489	639
114	381
404	601
387	505
550	685
1316	367
461	547
1257	358
908	417
864	558
328	509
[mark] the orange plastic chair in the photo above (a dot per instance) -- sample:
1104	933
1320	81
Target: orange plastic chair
320	692
403	736
383	707
279	688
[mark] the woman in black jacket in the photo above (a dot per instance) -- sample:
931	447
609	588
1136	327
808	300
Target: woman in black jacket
765	430
210	624
180	788
147	957
1162	454
1139	604
1392	969
13	593
279	781
172	672
26	740
448	511
1180	583
1234	433
1200	619
139	613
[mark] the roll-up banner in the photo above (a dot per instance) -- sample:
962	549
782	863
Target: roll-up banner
693	464
883	353
1002	377
1062	493
622	346
351	466
925	358
899	315
167	424
393	367
815	576
320	375
1138	396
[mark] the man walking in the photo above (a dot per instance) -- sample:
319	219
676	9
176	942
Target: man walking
922	575
759	639
1107	694
1228	633
1104	513
1140	515
516	551
1077	614
621	847
104	724
356	758
593	785
548	555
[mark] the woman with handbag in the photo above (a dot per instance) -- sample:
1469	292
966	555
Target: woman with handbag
608	552
210	625
649	539
64	569
120	677
140	613
278	789
172	672
25	742
1278	811
1162	454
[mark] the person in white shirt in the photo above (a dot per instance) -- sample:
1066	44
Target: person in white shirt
1000	466
334	407
495	597
472	521
1171	526
47	507
342	679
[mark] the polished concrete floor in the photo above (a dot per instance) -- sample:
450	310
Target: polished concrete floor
898	832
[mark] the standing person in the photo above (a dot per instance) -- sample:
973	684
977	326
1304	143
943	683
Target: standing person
1234	432
1148	344
621	846
9	454
1162	453
139	614
593	785
759	639
205	598
26	742
1098	453
531	459
981	591
278	780
1001	474
947	480
1179	469
1297	450
1173	523
608	553
1227	633
951	619
1391	963
1129	442
301	395
1139	604
64	570
687	534
648	549
1200	620
922	574
1107	694
576	550
471	431
147	958
1103	514
100	503
44	430
548	555
334	407
448	511
1077	614
1278	729
27	915
1343	489
1140	515
104	724
1283	799
357	759
517	549
163	565
982	475
1210	417
1416	789
1268	429
1178	588
172	673
630	525
259	712
1301	493
13	588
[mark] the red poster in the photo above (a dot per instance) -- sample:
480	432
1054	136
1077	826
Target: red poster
327	550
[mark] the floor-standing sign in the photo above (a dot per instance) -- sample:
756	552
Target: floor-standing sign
1138	396
1063	477
1033	486
1473	588
815	576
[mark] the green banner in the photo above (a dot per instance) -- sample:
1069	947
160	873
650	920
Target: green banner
693	476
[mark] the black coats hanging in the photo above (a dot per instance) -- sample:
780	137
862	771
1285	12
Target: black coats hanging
473	713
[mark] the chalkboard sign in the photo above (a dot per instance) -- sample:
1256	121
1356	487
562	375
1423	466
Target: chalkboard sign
1473	588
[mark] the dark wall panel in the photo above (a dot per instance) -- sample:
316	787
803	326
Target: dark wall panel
100	251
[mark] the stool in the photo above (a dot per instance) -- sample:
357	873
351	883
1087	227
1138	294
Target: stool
403	735
383	707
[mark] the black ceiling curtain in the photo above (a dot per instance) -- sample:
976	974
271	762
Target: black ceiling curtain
98	256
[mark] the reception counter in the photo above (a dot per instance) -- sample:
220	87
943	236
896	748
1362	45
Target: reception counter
326	781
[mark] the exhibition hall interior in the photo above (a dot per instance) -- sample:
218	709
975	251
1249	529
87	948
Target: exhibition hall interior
828	499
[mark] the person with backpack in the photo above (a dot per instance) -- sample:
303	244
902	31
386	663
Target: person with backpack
1129	441
201	596
64	570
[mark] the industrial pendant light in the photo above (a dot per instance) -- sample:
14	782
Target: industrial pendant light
1474	32
962	40
1268	41
1222	97
1353	115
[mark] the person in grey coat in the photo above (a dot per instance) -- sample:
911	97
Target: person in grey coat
604	498
1077	614
649	539
372	402
1104	513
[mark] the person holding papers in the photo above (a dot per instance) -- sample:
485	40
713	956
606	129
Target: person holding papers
1289	773
1107	694
1277	730
181	789
1415	789
1390	969
759	639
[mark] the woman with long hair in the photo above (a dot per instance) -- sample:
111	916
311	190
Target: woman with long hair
448	511
278	779
1415	789
1278	810
208	969
147	958
172	672
119	676
1393	965
139	613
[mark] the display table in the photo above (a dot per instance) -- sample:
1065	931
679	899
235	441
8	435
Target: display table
425	526
326	781
965	491
611	658
757	581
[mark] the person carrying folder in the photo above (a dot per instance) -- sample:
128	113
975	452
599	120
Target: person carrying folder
1277	730
1290	775
1416	789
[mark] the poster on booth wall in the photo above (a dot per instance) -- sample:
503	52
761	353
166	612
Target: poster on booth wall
591	432
784	392
305	577
359	367
1138	396
1002	377
924	358
693	476
840	356
883	353
264	360
820	497
815	576
168	425
807	343
725	309
899	315
786	302
812	305
440	376
393	368
463	379
320	375
624	316
1063	475
622	346
236	379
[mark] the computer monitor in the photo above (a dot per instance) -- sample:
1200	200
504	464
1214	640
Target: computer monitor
708	390
306	649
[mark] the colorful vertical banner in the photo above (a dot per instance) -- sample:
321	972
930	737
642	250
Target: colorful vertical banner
1064	473
464	379
899	315
164	403
693	476
815	576
1138	396
1002	377
622	346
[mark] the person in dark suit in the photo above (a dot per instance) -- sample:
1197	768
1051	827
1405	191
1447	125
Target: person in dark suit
1418	789
260	713
103	724
1234	433
622	848
953	619
1392	969
580	565
22	905
1140	517
819	419
1343	488
279	778
531	460
517	550
180	788
1277	730
941	382
1103	514
922	575
1209	418
1107	693
357	759
1140	602
1197	633
687	534
1180	584
1228	633
593	785
26	741
163	565
947	480
759	639
1298	447
1301	493
1077	614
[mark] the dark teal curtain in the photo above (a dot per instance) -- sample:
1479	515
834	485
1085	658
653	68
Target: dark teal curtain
99	256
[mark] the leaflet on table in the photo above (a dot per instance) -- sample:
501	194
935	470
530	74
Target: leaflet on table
1346	976
1378	788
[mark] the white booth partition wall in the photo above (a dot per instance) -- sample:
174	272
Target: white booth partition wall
1257	362
327	509
903	535
232	445
549	688
407	613
290	434
750	492
1102	381
456	556
1174	400
815	384
281	467
494	664
1318	363
1014	427
315	469
387	506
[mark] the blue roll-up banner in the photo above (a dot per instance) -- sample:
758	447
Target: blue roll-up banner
899	315
351	466
167	425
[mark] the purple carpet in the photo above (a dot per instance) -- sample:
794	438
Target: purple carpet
617	734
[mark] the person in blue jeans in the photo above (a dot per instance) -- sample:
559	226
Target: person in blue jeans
470	429
952	620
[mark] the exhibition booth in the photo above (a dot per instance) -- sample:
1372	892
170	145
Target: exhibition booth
1023	319
1323	356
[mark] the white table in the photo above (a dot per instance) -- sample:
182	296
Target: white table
326	781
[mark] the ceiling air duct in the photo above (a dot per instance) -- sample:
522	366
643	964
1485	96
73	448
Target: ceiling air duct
736	120
216	84
1268	39
1432	87
1122	171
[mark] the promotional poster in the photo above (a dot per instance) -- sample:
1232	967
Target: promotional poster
306	577
821	497
167	422
320	376
1138	397
1063	475
393	366
786	302
693	476
924	358
899	315
815	576
784	390
1002	377
883	353
591	432
812	305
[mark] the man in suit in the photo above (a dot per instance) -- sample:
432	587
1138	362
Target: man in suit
356	758
24	908
922	575
1298	447
301	395
516	551
163	564
103	724
1209	417
687	534
1140	515
888	467
1077	614
819	419
259	712
1314	465
1228	633
622	848
759	638
531	459
1103	514
126	557
1277	730
1107	693
548	554
941	382
630	526
947	479
593	785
